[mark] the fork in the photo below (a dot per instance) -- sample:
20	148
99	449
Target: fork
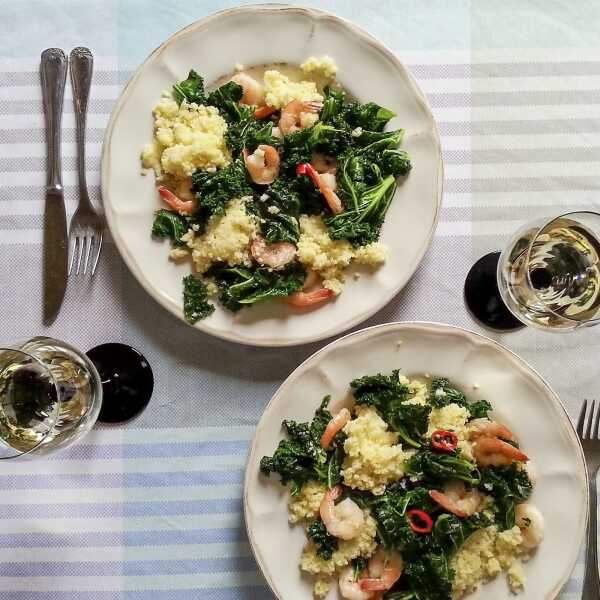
587	429
86	229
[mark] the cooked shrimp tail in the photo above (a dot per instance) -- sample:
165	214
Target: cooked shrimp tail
457	500
487	428
350	588
495	452
183	207
305	299
294	115
264	111
334	427
252	91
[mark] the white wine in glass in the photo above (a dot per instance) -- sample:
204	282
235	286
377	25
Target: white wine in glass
548	276
50	396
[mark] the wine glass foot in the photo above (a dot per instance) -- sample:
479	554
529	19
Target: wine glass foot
127	381
483	298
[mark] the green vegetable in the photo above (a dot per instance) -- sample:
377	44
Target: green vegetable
507	485
195	300
442	393
249	133
191	89
215	190
240	285
359	565
300	458
388	396
325	542
362	224
169	224
451	532
227	99
283	225
437	467
334	466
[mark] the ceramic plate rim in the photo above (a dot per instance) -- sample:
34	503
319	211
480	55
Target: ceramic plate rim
155	292
477	338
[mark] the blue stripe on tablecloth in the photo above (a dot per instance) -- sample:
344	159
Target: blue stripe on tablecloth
122	508
134	567
119	480
122	538
149	450
226	593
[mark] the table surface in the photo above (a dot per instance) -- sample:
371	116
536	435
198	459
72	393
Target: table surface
152	510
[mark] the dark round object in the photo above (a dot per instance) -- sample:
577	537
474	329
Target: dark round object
483	298
127	381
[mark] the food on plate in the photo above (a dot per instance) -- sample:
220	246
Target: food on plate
273	184
413	493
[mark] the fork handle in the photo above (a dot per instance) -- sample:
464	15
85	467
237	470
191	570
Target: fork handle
82	66
591	583
53	73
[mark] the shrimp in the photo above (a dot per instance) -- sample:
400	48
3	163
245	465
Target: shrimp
492	451
343	520
253	91
486	428
262	164
328	180
334	426
323	163
384	570
304	299
350	587
264	111
333	200
457	500
531	523
186	207
272	255
291	114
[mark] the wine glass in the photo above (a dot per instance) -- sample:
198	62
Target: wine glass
51	394
548	276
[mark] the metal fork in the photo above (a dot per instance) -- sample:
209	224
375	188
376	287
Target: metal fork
587	429
87	226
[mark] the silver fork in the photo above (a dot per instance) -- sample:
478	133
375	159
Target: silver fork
85	231
587	429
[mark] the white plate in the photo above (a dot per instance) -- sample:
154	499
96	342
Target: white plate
256	35
520	397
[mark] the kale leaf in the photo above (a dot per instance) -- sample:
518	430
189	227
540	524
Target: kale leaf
240	286
195	300
507	485
450	532
227	99
442	393
388	396
215	189
325	542
279	212
435	467
169	224
191	89
300	458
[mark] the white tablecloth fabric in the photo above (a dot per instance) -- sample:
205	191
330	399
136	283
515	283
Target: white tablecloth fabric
152	511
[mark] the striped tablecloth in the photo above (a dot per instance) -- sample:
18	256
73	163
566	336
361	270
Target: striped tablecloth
152	511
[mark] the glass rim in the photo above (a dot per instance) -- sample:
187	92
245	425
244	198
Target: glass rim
56	411
545	225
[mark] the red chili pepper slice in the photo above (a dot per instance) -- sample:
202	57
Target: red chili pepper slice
308	169
444	440
419	521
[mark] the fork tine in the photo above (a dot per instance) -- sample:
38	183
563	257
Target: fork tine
73	250
596	424
590	420
97	257
581	419
82	241
89	244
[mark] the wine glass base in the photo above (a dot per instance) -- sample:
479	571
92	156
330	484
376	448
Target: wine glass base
127	381
483	298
